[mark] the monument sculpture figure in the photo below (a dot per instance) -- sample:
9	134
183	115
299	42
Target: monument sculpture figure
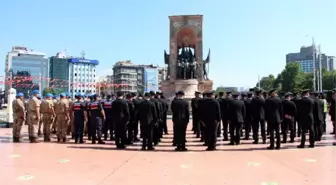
186	69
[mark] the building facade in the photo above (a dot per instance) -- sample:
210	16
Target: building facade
26	70
59	73
306	59
82	75
130	78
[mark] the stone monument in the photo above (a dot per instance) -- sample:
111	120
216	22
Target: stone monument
186	69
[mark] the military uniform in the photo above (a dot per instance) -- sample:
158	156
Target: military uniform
79	116
19	117
237	113
63	118
47	110
148	117
121	116
289	112
97	119
108	126
34	117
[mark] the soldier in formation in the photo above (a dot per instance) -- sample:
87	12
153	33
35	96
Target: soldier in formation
118	118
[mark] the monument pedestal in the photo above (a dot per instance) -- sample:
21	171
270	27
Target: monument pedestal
169	88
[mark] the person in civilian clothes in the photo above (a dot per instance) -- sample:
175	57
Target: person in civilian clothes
120	117
237	113
148	117
289	112
323	98
180	110
274	115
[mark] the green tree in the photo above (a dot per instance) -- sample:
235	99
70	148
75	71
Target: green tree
329	80
291	77
305	81
48	90
220	89
277	83
266	82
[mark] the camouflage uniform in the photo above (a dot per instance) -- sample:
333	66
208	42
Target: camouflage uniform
34	119
19	117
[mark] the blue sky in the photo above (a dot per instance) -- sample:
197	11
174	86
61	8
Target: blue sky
246	37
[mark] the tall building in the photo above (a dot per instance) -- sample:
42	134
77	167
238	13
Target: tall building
59	72
135	78
82	75
162	73
306	57
26	70
331	62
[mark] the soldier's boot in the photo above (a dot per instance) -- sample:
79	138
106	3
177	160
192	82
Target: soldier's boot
34	140
64	139
58	139
46	138
76	139
39	133
16	139
81	140
94	139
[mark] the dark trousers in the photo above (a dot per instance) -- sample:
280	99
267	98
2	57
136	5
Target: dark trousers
219	129
255	129
274	127
318	130
108	126
299	127
79	127
120	134
136	129
180	129
96	128
324	124
235	131
165	127
197	126
307	127
248	125
156	133
147	135
225	123
89	127
287	124
211	134
130	131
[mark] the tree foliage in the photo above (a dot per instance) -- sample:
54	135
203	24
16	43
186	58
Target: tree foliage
52	90
292	79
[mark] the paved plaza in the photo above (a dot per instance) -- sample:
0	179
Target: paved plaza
87	164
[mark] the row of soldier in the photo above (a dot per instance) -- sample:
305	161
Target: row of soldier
116	118
247	111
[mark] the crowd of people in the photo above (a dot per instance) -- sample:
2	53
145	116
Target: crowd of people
233	116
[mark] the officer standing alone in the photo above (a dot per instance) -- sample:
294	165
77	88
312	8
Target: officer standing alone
180	110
